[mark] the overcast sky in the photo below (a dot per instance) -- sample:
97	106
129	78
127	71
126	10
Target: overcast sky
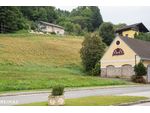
124	14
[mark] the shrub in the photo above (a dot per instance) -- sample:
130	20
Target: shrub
138	79
53	33
140	69
91	51
58	90
96	71
117	76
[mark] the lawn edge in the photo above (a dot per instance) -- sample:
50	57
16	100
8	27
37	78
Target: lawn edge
122	104
135	103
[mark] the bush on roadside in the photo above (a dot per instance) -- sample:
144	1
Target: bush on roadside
96	70
140	69
138	79
58	90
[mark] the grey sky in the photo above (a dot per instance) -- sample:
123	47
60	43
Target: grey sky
122	14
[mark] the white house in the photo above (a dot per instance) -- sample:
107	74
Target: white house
50	28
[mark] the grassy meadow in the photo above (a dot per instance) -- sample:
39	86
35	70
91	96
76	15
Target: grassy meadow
29	61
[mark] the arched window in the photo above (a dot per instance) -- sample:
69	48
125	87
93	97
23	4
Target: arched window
118	51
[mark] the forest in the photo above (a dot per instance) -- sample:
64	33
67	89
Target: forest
80	20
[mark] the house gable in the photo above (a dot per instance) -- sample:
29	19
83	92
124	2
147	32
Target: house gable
118	54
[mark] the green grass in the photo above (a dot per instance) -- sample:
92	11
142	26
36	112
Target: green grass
28	77
94	101
29	61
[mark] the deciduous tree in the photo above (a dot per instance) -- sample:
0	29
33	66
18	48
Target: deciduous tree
91	51
106	31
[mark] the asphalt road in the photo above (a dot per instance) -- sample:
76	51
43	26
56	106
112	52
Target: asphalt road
29	98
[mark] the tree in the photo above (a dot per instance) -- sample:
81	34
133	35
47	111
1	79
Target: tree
79	21
143	36
11	19
96	18
106	31
38	13
118	26
77	29
140	69
88	17
52	15
84	22
69	27
42	14
82	16
29	12
91	51
62	13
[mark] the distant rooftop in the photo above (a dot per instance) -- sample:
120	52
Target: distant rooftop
51	24
139	26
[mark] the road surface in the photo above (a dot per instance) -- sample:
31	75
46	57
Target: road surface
29	98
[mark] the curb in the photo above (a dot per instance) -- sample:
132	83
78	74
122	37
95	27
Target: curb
134	103
67	90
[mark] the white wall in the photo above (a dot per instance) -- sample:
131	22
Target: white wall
50	29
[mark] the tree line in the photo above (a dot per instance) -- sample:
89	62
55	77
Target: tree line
80	20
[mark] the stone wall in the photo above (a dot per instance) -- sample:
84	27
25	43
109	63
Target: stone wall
127	70
103	72
111	71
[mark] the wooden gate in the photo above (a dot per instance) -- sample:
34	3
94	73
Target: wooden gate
148	74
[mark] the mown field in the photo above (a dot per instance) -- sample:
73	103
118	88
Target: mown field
30	61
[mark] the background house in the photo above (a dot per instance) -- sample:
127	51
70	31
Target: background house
50	28
131	30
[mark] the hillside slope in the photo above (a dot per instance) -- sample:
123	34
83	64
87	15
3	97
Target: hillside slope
41	61
42	50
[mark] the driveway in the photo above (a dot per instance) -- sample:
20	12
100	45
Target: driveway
39	97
